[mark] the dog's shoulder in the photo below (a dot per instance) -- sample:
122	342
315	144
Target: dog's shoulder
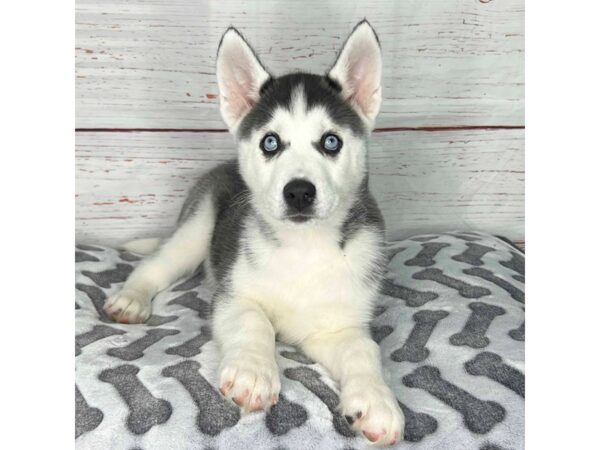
223	183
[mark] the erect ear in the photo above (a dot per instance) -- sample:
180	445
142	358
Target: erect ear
358	71
240	76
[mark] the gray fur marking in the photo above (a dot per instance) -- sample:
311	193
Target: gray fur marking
425	257
473	333
480	272
417	425
215	414
364	213
107	277
414	349
412	297
135	350
193	346
490	365
284	416
192	301
464	289
473	254
479	416
145	410
318	91
311	380
87	418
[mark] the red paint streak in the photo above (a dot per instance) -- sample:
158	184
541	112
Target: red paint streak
103	203
126	200
211	96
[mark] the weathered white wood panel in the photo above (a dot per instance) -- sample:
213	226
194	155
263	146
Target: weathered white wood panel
132	184
150	64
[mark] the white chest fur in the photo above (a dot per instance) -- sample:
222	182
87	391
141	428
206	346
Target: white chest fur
305	282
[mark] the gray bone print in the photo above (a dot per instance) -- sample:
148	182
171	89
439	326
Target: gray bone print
473	254
192	301
519	278
156	321
380	333
88	248
145	410
412	297
518	334
135	350
406	322
414	349
192	282
97	297
106	278
473	333
425	257
479	416
490	365
417	425
516	263
297	356
284	416
488	275
87	418
214	413
469	237
464	289
425	238
83	256
193	346
129	257
312	381
95	334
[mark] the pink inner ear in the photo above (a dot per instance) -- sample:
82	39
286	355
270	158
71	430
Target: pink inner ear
362	81
240	89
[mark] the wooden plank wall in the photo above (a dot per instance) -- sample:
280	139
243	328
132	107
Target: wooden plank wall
448	153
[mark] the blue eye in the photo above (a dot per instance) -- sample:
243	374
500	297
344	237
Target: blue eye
270	143
331	142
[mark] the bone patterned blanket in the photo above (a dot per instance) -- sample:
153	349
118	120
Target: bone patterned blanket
449	321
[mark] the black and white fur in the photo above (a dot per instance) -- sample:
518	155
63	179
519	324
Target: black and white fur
307	272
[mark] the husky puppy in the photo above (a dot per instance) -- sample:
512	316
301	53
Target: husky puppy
288	231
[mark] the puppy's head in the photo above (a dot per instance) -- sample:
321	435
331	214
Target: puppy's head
301	137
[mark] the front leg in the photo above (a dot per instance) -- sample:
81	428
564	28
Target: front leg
248	373
354	360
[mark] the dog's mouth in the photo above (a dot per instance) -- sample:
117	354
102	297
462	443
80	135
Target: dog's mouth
300	217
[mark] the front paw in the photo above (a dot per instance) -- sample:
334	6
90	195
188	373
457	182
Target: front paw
372	409
128	306
250	380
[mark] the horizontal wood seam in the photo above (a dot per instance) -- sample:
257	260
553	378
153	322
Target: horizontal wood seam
223	130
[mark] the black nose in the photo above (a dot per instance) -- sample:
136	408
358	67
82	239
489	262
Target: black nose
299	194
